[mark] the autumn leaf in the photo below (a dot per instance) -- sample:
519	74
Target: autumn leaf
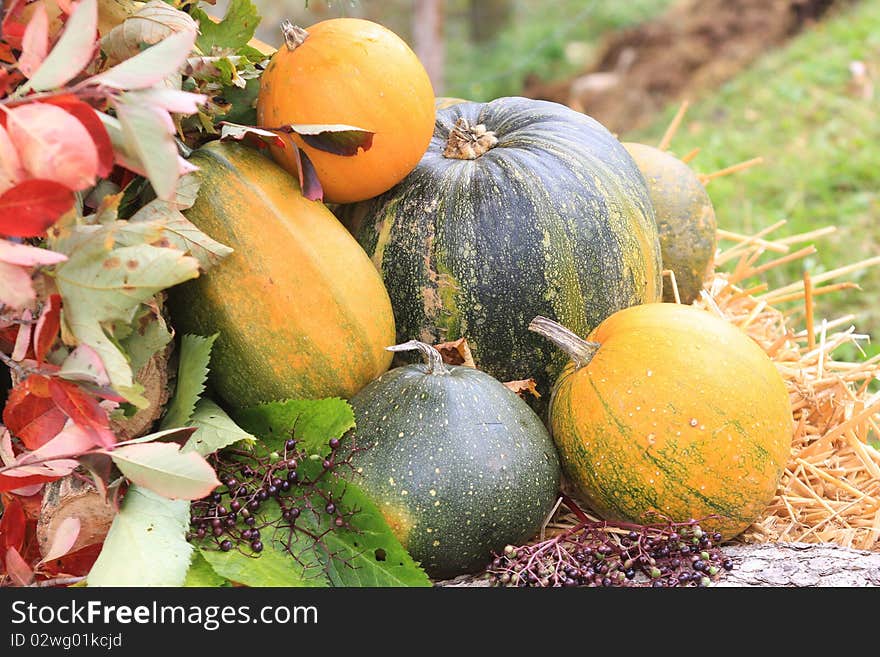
523	388
255	136
457	352
32	206
47	327
53	145
73	51
334	138
33	420
13	524
83	409
84	364
35	42
149	67
63	539
308	175
148	26
88	116
235	29
18	569
11	170
169	223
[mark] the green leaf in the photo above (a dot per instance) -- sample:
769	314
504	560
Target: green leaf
164	469
101	285
313	422
145	129
162	220
192	372
370	555
201	574
216	429
150	335
146	544
242	102
234	31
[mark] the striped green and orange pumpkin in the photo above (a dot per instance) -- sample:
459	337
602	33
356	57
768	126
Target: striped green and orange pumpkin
520	207
299	307
685	220
670	409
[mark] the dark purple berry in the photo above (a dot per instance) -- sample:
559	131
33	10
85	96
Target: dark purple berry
271	490
217	498
290	444
235	506
285	486
226	545
727	564
326	464
232	482
330	508
334	443
262	495
217	531
201	532
292	476
339	522
257	546
294	513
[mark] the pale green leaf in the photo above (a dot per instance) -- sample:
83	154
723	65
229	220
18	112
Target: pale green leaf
192	372
73	51
149	25
201	574
234	31
150	134
146	545
178	230
151	65
313	422
101	285
164	469
216	429
150	335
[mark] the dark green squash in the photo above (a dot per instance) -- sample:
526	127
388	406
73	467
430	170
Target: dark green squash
685	220
459	465
520	207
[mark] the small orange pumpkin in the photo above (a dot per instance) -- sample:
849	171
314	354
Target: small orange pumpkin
353	72
673	410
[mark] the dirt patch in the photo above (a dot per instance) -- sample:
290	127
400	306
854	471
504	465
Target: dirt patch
695	45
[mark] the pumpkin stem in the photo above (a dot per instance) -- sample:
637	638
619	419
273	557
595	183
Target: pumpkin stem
468	142
294	35
433	359
579	350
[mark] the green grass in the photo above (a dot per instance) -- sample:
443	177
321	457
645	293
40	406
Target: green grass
549	39
821	145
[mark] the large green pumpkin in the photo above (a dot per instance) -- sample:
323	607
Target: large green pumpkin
520	207
458	464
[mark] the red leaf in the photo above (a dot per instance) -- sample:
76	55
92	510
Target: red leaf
47	327
12	29
75	564
12	526
84	410
30	207
33	420
308	176
12	484
6	55
18	569
87	115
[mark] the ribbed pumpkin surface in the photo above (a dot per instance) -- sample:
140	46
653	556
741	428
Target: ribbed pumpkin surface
677	412
460	466
685	219
300	309
554	220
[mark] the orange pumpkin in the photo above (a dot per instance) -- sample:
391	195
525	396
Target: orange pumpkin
672	410
353	72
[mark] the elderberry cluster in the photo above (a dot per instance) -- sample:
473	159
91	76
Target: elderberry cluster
609	554
234	514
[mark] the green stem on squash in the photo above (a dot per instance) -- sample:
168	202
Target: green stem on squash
294	35
433	359
579	350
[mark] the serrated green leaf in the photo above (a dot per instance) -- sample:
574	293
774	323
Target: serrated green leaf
201	574
161	220
216	429
234	31
102	285
242	102
313	422
192	372
369	554
146	544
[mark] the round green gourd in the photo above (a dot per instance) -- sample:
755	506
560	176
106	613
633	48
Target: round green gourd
685	219
540	211
458	464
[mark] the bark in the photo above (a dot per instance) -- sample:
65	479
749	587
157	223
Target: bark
77	498
780	564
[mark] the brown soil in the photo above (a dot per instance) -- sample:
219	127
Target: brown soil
696	45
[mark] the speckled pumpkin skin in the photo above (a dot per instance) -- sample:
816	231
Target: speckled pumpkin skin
678	412
685	219
460	466
301	311
555	220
